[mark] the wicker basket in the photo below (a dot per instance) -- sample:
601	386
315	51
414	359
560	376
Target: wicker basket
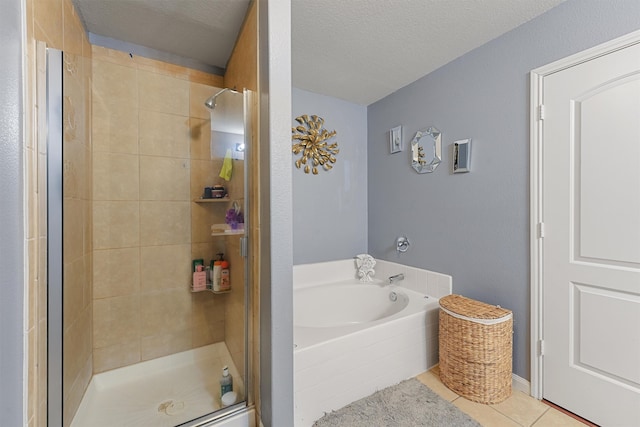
475	349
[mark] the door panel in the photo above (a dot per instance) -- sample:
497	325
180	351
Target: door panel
591	248
591	332
607	159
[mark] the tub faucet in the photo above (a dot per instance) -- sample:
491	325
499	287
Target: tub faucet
396	278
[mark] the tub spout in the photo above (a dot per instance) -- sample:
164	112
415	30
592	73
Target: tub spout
396	278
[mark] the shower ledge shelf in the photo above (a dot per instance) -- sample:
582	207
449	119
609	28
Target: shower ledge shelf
226	230
228	233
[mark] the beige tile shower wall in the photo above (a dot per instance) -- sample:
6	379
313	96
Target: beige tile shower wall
151	160
56	23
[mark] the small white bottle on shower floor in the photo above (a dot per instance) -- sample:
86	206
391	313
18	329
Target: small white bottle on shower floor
226	382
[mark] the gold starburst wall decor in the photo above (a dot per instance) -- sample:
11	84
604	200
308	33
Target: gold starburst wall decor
311	139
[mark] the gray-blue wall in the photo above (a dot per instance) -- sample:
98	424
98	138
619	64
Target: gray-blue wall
475	226
11	216
330	209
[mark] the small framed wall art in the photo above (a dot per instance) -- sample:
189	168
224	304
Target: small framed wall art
395	140
462	156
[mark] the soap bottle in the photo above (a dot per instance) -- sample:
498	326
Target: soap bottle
217	270
226	381
199	279
225	279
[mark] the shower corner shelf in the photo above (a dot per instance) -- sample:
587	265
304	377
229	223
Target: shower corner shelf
209	290
218	200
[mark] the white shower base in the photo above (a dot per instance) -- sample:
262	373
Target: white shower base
163	392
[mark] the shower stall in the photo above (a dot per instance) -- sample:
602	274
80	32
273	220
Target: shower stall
131	341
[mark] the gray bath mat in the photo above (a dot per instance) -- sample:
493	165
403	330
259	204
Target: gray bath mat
408	404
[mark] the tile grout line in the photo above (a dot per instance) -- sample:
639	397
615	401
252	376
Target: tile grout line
515	421
541	415
506	416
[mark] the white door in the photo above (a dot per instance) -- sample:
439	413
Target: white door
591	244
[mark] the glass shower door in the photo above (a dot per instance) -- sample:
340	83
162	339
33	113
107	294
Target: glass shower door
169	389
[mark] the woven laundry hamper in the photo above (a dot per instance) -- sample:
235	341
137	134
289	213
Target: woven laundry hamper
476	341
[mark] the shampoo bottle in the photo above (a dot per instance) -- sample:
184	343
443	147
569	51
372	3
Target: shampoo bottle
217	269
226	381
225	280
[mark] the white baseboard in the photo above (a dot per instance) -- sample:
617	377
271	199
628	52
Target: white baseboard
520	384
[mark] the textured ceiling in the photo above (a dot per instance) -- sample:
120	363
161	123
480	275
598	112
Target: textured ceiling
356	50
364	50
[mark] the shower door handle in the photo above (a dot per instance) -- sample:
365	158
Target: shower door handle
244	244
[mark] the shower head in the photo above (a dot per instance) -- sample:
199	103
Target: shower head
211	102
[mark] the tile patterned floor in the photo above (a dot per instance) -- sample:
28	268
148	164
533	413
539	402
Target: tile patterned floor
519	410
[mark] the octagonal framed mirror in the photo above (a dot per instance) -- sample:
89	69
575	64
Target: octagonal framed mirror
426	150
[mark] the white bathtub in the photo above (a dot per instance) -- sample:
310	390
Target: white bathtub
351	339
333	310
352	303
